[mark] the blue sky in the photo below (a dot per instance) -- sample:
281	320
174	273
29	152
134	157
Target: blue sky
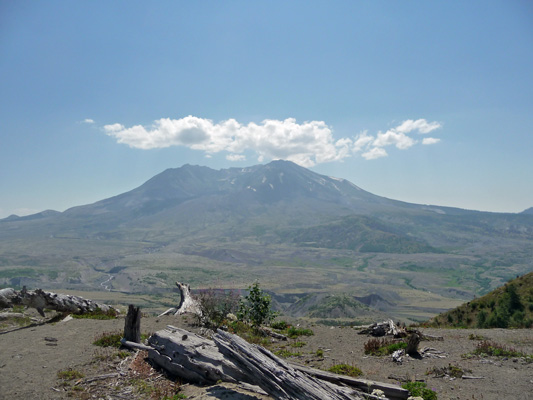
423	101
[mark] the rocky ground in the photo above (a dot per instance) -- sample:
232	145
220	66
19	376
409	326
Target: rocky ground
31	359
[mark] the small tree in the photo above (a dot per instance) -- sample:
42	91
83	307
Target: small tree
256	307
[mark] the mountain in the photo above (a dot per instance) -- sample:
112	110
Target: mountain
295	230
528	211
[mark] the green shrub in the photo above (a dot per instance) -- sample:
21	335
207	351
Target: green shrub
108	339
420	389
286	353
279	325
297	344
489	348
345	369
383	347
256	307
293	332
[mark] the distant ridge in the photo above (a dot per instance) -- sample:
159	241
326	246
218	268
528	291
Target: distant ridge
300	231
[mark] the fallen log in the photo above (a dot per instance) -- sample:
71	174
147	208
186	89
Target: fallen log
191	357
229	358
187	303
379	329
40	300
274	375
135	346
392	392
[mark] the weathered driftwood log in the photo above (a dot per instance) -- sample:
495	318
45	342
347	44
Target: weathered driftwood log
384	328
229	358
39	299
191	357
187	303
274	375
392	392
7	297
132	324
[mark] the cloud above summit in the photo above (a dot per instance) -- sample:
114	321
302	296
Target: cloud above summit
308	143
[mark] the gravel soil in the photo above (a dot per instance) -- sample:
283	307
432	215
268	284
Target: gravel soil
31	358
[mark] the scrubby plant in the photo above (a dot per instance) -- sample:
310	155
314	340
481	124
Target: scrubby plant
297	344
489	348
294	332
382	347
69	374
286	353
346	369
476	337
279	325
420	389
108	339
215	305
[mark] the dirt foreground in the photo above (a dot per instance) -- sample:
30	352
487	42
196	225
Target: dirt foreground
31	358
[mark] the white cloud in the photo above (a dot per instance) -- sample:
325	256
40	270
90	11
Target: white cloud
306	143
392	137
421	125
375	152
430	140
362	141
88	121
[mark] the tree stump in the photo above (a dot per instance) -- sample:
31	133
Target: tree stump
132	326
412	344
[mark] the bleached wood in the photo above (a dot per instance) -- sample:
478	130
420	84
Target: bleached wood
187	303
191	357
40	299
393	392
230	358
274	375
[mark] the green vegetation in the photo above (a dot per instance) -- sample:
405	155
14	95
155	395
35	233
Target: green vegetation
108	339
69	374
346	369
286	353
488	348
476	337
420	389
248	333
294	332
341	305
97	314
359	233
279	325
383	347
453	371
297	344
215	305
509	306
256	307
